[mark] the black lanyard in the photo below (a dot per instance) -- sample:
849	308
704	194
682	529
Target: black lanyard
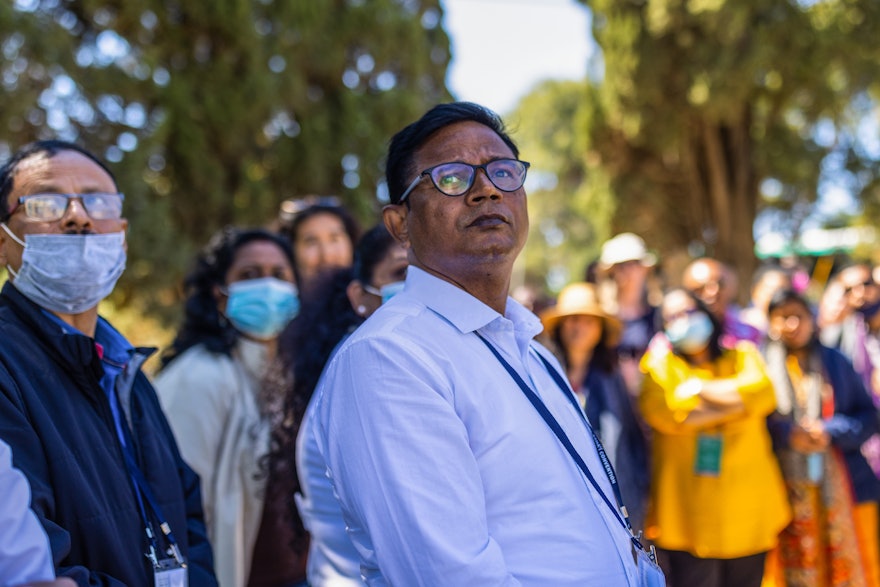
619	514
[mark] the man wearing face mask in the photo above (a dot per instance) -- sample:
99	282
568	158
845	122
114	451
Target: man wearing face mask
109	486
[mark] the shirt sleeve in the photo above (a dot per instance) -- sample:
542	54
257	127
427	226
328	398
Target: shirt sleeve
407	480
24	548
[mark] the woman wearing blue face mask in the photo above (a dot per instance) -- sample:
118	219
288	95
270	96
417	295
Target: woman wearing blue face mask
717	499
240	296
338	303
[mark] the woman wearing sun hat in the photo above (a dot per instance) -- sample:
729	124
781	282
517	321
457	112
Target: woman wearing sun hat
585	337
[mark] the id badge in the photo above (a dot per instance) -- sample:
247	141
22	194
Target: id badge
170	573
650	573
708	460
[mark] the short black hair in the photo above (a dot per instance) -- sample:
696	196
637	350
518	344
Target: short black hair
404	144
50	148
371	250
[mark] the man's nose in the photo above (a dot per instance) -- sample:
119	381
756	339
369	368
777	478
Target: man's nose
75	216
483	187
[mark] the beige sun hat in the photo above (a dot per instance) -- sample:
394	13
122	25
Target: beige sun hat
580	299
624	247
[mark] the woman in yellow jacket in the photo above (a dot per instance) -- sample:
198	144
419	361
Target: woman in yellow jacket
718	500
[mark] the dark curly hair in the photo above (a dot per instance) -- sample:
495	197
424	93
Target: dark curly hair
305	346
202	322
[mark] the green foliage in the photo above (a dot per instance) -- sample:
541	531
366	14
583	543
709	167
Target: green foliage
214	112
570	202
703	101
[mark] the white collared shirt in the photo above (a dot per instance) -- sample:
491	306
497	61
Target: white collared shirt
445	472
25	556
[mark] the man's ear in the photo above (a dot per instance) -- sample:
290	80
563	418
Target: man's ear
394	216
4	244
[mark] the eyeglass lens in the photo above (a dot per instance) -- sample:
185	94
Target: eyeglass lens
454	179
49	207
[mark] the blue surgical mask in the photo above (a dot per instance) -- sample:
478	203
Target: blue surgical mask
690	334
68	273
261	308
390	290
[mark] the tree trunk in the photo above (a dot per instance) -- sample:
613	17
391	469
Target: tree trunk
722	178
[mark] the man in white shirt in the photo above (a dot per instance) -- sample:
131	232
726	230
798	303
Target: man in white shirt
446	473
25	557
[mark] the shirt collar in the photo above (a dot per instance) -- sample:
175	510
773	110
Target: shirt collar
110	344
466	312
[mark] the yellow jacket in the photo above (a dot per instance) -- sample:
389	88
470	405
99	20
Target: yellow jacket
740	511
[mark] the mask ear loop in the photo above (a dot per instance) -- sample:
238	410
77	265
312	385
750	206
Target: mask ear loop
12	235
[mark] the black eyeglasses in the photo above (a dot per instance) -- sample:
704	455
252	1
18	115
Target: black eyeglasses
52	207
456	178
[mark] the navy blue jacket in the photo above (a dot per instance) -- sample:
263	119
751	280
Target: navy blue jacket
57	418
853	422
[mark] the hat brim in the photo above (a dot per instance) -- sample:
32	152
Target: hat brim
649	260
611	326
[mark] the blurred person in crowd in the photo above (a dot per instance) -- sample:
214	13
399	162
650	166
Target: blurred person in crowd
439	451
25	556
342	300
109	486
714	284
857	331
239	297
767	280
585	337
322	234
833	309
718	500
823	415
626	260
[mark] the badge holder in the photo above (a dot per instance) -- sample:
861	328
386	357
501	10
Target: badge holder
708	459
171	569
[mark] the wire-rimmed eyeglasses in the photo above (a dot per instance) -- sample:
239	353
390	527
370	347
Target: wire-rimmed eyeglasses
51	207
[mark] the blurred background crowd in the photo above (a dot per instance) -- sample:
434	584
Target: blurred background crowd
702	207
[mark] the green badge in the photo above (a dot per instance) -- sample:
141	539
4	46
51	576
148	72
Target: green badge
708	460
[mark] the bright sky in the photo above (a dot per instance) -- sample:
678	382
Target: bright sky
502	48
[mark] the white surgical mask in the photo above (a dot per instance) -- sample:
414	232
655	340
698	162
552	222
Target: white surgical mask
68	273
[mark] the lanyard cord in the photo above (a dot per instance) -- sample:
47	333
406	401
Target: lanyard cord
619	514
143	491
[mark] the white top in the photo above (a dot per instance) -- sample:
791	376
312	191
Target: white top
445	472
333	560
210	401
25	556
